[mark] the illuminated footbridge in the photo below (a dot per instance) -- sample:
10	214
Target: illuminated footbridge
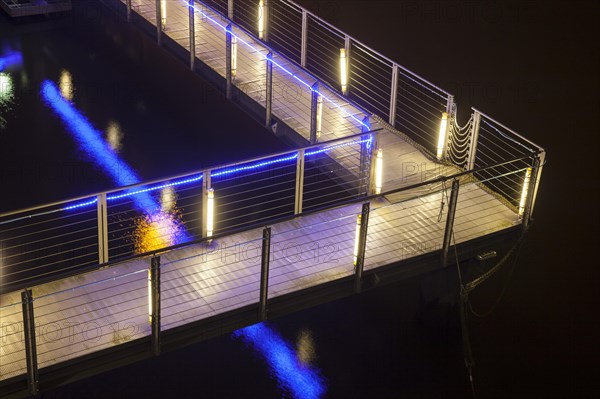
382	183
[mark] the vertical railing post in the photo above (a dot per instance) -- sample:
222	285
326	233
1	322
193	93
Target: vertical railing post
299	197
267	20
230	10
314	109
541	161
304	40
155	301
365	158
128	10
228	48
30	344
394	95
362	226
473	140
158	22
192	24
531	192
450	105
373	163
269	91
264	273
450	222
102	217
206	184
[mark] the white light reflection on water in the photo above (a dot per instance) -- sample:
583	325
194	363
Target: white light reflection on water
293	376
114	136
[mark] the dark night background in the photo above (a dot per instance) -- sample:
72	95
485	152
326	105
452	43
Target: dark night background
532	65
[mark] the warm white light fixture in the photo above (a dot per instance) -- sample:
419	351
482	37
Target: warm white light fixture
234	52
357	238
441	146
379	171
524	192
149	296
344	70
210	212
163	13
261	19
319	115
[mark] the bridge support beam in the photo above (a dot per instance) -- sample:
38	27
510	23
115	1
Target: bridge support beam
30	344
128	10
314	113
155	303
158	22
450	222
264	273
299	183
473	141
102	218
362	224
192	24
269	91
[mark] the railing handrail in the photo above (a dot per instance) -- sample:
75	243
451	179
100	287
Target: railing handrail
539	148
321	20
216	236
186	174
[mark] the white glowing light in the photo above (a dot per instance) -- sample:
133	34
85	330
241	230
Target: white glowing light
163	13
524	192
441	146
234	51
210	212
319	115
66	85
357	238
6	87
379	171
149	296
344	70
261	19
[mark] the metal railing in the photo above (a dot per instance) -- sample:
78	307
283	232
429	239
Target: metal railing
53	239
112	305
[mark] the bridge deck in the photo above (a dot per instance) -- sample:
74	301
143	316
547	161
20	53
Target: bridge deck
100	309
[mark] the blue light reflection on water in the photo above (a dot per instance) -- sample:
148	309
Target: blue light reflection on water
302	381
10	59
91	141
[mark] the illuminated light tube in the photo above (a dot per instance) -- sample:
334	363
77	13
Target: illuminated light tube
441	146
210	212
357	238
524	192
163	13
261	19
149	296
379	171
344	70
234	52
319	115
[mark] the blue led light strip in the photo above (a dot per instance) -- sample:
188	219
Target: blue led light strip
293	75
221	173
